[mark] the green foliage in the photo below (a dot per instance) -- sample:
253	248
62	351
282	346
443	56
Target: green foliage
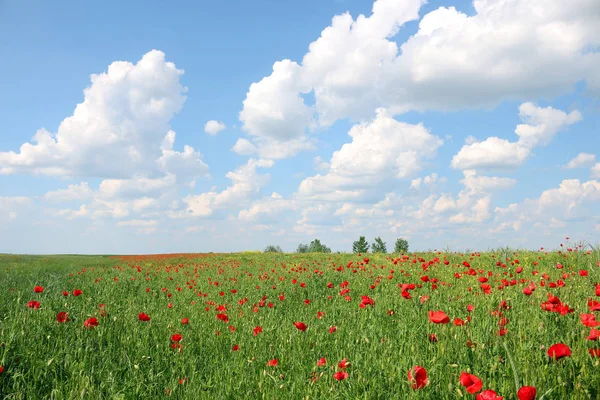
273	249
401	246
379	246
360	246
314	247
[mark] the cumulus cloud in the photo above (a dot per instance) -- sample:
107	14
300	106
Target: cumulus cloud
595	171
515	49
572	200
246	183
581	160
213	127
80	191
117	130
381	150
495	153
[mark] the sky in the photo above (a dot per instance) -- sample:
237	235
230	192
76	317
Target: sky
154	127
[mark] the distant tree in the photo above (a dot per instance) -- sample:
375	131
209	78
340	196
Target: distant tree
273	249
379	246
314	247
302	248
317	247
401	246
360	246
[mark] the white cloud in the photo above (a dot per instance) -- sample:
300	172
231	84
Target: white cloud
213	127
595	171
83	211
117	131
581	160
320	164
381	150
495	153
132	187
573	200
246	183
517	49
80	191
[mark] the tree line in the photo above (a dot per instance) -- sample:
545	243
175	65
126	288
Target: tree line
359	246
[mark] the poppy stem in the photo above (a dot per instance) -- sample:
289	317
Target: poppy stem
512	365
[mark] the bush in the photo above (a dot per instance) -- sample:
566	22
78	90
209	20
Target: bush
360	246
379	246
401	246
273	249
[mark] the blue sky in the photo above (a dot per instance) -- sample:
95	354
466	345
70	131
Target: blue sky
451	123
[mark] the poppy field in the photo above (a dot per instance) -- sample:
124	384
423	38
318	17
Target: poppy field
486	326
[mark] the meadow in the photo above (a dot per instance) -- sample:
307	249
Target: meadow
500	324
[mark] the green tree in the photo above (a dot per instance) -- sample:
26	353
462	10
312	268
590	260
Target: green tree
401	246
302	248
314	247
379	246
360	246
273	249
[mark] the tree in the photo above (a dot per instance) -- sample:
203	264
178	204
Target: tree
273	249
401	246
379	246
317	247
302	248
360	246
314	247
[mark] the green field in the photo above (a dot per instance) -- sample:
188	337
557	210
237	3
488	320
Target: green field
125	357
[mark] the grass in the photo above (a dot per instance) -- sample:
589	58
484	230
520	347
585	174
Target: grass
126	358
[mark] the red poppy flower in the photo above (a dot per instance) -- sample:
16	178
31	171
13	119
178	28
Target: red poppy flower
257	330
320	314
470	308
143	317
185	321
300	325
223	317
471	383
433	338
235	347
558	351
62	317
90	322
344	363
66	294
77	292
1	369
594	305
488	395
33	304
322	361
340	375
38	289
589	320
595	352
272	363
527	393
367	301
418	377
458	322
594	335
176	337
438	317
333	329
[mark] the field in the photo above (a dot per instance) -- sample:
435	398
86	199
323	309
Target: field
335	326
